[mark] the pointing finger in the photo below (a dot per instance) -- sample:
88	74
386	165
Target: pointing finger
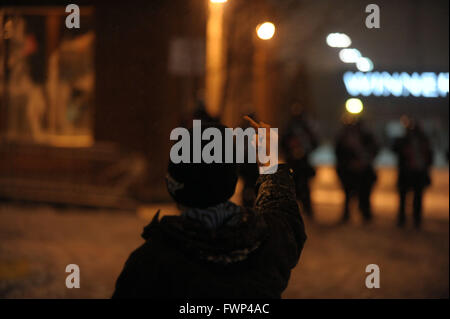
251	121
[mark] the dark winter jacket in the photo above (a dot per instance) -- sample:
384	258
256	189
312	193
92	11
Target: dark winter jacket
250	258
415	158
356	149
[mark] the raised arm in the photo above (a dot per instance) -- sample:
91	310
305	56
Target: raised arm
276	192
276	198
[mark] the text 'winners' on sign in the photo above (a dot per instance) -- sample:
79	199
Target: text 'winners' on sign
426	84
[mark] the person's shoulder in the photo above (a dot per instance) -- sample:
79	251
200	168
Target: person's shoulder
145	252
152	244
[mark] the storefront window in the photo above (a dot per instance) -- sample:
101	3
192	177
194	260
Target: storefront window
47	77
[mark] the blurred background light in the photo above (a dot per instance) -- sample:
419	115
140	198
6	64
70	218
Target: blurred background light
426	84
265	31
349	55
443	84
354	106
364	64
338	40
218	1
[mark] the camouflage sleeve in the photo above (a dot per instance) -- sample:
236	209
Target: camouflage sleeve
277	201
276	192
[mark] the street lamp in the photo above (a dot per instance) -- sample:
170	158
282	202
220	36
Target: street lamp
215	57
338	40
364	64
264	71
265	31
349	55
354	106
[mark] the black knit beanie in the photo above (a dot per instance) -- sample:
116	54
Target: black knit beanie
202	185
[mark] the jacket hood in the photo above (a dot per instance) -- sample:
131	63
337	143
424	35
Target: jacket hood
232	242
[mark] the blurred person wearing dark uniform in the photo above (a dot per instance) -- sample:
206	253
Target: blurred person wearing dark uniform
356	149
298	141
414	161
199	113
249	174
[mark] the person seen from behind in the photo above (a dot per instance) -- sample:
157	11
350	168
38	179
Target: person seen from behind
356	149
298	142
414	161
214	248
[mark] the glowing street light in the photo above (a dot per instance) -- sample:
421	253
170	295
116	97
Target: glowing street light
364	64
354	106
338	40
349	55
215	57
265	31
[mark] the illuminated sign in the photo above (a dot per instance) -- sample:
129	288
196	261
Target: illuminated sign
426	84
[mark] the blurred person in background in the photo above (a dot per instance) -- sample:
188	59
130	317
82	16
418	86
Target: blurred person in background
249	174
297	143
199	113
356	149
414	161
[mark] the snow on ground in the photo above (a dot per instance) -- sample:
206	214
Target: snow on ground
38	241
